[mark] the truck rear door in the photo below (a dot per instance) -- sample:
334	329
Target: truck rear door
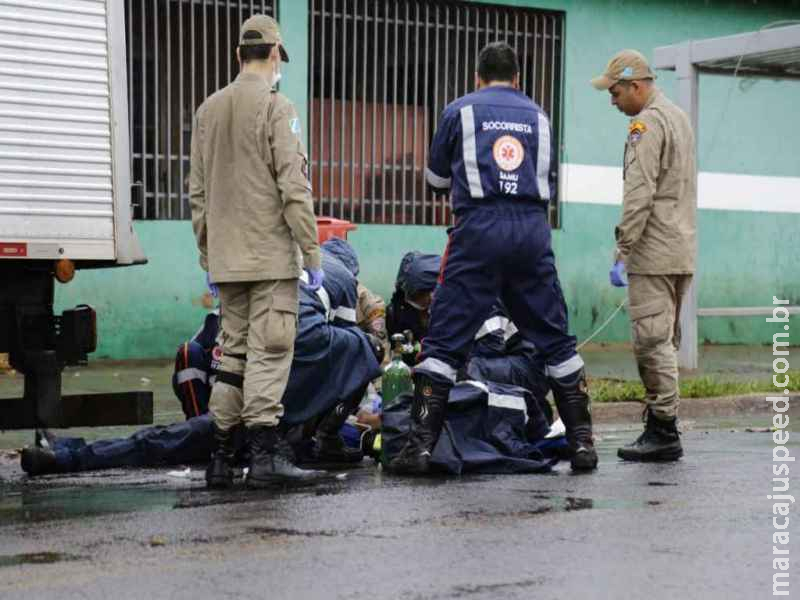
64	141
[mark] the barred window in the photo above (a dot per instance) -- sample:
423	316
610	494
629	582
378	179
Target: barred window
382	71
179	52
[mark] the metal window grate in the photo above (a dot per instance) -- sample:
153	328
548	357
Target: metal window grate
179	52
382	71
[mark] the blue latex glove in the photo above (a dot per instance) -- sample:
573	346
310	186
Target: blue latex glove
617	275
315	278
213	288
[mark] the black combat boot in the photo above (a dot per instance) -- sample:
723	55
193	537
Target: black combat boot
269	465
219	473
41	461
572	401
330	447
660	441
427	418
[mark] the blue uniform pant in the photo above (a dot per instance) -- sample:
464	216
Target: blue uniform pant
498	251
187	442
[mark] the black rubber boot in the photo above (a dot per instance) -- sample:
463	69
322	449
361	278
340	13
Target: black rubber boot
40	461
427	418
572	401
219	473
330	447
269	465
660	442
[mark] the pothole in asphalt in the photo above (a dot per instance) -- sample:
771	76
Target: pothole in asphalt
282	531
37	558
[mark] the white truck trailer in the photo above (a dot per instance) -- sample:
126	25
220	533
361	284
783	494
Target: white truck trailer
65	198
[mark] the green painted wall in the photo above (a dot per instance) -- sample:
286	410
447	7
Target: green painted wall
746	126
146	311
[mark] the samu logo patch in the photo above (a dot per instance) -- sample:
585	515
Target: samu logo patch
508	153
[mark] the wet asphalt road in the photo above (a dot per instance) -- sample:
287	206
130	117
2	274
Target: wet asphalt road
700	528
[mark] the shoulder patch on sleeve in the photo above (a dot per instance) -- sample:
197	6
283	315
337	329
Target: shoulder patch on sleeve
294	125
635	130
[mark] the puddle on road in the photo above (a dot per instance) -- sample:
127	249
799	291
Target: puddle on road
37	558
36	506
46	502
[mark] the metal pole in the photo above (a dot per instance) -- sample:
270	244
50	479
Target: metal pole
687	94
374	112
216	45
457	52
332	111
404	149
552	78
130	81
383	109
228	58
205	50
168	149
365	66
415	107
156	132
180	109
467	56
394	112
354	78
342	114
524	66
312	93
144	114
321	104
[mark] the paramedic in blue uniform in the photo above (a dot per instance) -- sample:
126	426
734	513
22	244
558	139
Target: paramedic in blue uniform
493	151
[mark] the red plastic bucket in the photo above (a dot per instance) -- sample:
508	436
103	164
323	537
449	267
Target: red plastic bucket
328	227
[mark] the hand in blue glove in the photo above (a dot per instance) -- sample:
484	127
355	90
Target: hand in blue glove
617	275
315	278
213	288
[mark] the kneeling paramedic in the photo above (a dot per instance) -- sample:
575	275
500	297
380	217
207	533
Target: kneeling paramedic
493	150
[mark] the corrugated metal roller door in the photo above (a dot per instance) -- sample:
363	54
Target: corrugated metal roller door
55	128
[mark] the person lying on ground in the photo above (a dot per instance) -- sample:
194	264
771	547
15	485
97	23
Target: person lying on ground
333	363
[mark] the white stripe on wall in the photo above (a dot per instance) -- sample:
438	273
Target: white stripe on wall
593	184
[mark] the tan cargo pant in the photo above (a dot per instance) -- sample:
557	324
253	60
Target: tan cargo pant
654	305
259	324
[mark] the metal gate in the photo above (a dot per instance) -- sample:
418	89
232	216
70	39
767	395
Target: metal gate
382	71
179	52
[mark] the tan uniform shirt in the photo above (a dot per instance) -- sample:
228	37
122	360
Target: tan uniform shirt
250	195
657	234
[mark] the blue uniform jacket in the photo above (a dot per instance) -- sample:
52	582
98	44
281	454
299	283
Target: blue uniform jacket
493	145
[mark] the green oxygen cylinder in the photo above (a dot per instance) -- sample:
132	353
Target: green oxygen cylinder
397	375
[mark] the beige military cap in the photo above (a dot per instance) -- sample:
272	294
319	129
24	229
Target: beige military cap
626	65
268	30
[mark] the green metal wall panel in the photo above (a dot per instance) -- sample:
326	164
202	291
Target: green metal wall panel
146	311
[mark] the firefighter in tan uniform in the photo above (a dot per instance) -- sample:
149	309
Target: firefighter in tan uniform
656	241
253	218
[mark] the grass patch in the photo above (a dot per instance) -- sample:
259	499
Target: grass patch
615	390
